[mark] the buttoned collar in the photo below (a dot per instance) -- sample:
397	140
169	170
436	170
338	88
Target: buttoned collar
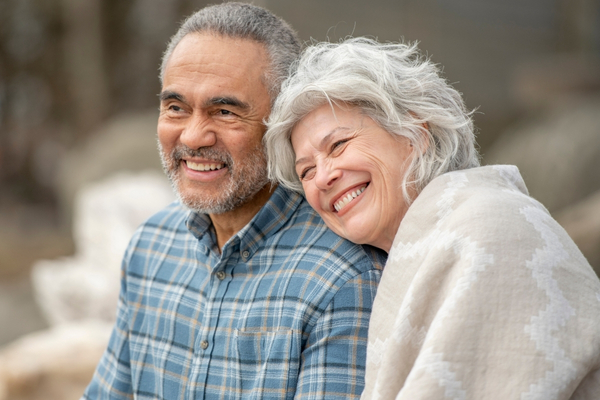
268	221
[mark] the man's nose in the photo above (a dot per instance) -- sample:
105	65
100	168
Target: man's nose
199	131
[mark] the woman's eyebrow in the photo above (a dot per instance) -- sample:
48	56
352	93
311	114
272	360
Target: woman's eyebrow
335	130
323	141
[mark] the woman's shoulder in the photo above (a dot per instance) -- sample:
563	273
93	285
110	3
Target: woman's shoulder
487	209
496	182
489	193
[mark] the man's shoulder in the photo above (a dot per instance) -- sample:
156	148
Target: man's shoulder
164	227
170	218
306	234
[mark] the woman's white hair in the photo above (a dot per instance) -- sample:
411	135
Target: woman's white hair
391	83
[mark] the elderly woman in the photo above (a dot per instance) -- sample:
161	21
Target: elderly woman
484	295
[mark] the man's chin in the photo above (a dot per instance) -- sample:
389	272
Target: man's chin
204	203
222	195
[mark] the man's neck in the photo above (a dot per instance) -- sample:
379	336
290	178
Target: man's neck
228	224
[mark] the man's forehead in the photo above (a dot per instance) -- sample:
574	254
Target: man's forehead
205	48
214	68
204	56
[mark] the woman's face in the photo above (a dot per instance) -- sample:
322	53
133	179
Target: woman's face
352	171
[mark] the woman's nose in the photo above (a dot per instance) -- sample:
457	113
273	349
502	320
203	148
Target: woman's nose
326	177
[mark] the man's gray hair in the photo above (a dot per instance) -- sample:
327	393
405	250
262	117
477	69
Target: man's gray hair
244	21
391	83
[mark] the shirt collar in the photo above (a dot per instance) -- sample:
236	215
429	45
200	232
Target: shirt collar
269	219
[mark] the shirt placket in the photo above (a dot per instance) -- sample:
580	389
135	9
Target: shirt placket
204	345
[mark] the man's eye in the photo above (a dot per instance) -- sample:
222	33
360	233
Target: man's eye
174	107
224	112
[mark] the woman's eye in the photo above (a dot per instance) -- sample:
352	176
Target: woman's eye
307	173
338	144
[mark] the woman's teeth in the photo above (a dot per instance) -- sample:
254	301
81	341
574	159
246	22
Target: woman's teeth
204	167
348	198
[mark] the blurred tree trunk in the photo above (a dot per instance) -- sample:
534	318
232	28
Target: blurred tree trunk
579	26
84	62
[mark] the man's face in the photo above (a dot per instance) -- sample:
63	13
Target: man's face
212	107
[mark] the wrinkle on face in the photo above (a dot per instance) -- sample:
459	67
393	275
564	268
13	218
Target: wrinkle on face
213	104
344	150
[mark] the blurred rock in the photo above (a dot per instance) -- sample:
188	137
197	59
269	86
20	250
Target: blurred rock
124	143
55	364
19	312
543	81
558	153
78	294
582	222
106	215
27	233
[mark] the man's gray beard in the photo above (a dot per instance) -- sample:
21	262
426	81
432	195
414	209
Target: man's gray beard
246	178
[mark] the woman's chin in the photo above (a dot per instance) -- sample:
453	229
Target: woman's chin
350	234
363	235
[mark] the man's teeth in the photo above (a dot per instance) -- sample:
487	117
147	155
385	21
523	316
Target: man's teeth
204	167
348	198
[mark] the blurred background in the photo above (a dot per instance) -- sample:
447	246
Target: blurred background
79	167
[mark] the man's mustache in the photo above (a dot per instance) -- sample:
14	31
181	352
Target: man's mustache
208	153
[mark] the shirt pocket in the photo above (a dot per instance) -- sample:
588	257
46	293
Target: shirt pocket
268	364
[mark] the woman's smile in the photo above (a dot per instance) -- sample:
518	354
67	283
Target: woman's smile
342	201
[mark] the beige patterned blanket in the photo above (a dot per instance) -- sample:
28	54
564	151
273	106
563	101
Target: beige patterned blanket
484	296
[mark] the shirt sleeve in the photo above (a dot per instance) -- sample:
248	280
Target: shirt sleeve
333	361
112	378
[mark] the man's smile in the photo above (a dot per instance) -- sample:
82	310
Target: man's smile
204	166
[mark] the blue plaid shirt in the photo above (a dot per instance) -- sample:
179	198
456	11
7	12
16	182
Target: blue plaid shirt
282	312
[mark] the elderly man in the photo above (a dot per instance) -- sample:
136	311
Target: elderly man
237	290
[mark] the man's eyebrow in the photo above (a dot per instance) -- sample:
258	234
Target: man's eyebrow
170	95
227	101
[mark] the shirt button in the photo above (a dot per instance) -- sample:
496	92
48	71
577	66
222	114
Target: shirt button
204	345
221	275
245	254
